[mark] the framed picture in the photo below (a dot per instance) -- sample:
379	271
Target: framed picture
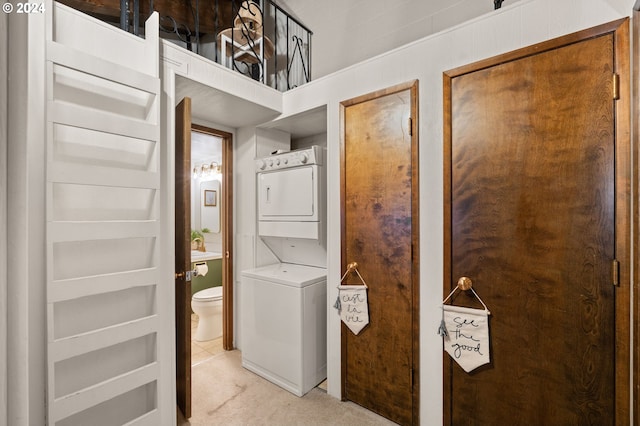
210	197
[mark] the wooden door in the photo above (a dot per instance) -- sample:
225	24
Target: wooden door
536	202
183	255
380	229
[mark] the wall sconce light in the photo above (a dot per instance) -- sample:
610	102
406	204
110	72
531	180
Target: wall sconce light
205	170
215	168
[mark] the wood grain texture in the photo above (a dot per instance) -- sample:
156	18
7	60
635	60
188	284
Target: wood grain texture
109	10
532	193
636	213
183	255
379	204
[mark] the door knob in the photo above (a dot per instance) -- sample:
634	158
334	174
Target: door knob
465	283
187	275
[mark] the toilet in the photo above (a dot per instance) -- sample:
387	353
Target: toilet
207	304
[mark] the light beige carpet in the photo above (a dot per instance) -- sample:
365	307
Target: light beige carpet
224	393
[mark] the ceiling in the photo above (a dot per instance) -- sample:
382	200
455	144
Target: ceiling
205	149
215	105
346	32
308	123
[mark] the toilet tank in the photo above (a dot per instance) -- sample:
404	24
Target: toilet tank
214	274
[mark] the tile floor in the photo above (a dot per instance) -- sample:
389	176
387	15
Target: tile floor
226	394
202	351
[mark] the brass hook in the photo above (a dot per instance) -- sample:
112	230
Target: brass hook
465	283
351	267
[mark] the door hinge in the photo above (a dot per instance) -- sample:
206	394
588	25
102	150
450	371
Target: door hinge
615	272
410	126
616	86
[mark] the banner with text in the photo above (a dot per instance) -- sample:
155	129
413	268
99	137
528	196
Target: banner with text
353	306
466	335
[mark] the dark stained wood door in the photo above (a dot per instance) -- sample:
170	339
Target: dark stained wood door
183	255
532	212
380	229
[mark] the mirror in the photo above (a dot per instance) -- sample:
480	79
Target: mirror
210	205
206	197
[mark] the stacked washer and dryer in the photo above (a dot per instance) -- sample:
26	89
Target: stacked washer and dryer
284	305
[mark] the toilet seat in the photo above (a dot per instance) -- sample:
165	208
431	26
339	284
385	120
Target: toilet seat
208	294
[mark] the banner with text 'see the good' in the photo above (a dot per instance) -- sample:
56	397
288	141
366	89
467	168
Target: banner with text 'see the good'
465	333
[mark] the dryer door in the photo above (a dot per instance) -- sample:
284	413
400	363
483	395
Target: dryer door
288	195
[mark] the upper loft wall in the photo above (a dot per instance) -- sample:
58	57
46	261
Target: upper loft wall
348	32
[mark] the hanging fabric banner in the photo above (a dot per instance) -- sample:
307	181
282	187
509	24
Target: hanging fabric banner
465	332
353	306
352	303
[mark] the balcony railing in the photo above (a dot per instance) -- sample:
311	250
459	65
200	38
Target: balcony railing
256	38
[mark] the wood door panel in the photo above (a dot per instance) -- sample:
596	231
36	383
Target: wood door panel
378	234
533	224
183	255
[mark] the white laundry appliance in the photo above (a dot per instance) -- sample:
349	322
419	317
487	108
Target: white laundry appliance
284	305
292	195
284	318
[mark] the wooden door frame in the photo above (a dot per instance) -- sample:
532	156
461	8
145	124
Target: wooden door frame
227	231
636	211
415	231
620	31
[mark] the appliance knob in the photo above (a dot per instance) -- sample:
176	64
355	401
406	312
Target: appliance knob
260	164
303	157
278	162
285	160
270	163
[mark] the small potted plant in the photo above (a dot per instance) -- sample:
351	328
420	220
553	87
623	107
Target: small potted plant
197	239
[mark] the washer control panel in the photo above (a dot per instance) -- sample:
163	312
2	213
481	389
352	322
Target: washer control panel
301	157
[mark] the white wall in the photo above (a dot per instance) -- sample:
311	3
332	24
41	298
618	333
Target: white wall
348	32
524	23
3	215
250	251
25	213
167	215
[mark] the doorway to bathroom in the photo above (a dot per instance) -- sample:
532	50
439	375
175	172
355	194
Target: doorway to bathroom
203	243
